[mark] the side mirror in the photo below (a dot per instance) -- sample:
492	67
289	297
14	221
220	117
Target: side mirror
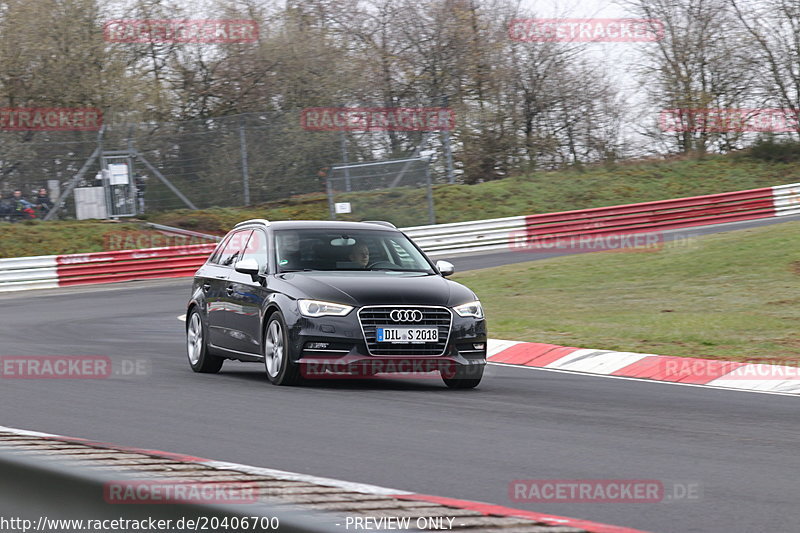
445	267
247	266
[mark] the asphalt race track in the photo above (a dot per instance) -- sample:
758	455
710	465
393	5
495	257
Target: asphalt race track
410	434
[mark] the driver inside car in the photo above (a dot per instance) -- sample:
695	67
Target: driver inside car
289	250
359	254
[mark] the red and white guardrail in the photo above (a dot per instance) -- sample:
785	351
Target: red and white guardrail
513	232
51	271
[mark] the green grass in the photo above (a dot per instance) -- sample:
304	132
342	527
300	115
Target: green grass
543	192
732	296
34	237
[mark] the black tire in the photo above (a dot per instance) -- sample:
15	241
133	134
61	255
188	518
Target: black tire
463	377
280	368
197	346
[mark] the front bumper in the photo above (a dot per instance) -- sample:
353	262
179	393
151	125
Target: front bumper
337	345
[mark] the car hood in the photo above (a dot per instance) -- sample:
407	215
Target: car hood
378	288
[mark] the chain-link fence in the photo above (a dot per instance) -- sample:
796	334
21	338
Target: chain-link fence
229	161
395	178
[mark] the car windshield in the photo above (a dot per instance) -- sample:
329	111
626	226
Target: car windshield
351	250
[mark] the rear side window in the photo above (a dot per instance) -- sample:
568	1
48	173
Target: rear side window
218	250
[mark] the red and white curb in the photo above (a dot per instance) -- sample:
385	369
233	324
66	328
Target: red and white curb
363	488
673	369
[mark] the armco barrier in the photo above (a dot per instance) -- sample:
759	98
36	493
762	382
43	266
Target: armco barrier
500	233
46	272
437	240
103	267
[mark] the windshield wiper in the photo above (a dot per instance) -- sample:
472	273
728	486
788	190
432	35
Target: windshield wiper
389	269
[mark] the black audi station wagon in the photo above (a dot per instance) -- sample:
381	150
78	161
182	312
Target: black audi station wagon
315	299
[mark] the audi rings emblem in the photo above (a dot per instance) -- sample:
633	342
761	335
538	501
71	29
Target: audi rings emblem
406	315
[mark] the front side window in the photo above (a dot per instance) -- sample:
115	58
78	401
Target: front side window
234	248
257	249
352	250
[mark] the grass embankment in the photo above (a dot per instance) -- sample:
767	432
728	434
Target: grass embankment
543	192
66	237
732	296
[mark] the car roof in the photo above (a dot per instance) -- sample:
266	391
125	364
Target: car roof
317	224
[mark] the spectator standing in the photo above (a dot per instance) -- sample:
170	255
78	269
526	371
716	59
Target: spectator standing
21	208
43	202
5	207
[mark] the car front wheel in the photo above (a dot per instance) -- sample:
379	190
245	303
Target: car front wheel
281	370
463	376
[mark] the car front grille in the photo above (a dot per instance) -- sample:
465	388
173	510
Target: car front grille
372	318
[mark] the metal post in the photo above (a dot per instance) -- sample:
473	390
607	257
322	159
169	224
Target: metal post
448	150
431	211
243	150
138	203
346	163
329	188
110	207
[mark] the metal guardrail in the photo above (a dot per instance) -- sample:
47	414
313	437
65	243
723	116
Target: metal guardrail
32	488
506	233
181	231
436	240
787	199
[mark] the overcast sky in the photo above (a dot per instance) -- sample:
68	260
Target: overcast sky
618	60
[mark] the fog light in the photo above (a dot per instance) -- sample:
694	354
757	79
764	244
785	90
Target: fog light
479	345
317	345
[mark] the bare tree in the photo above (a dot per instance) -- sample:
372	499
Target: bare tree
774	26
701	63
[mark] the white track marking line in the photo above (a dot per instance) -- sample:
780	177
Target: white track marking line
493	346
363	488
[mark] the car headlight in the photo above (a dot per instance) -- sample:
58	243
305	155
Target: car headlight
315	308
472	309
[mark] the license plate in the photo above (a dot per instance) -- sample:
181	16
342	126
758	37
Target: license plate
408	335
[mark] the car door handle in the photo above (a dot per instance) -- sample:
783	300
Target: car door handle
229	290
